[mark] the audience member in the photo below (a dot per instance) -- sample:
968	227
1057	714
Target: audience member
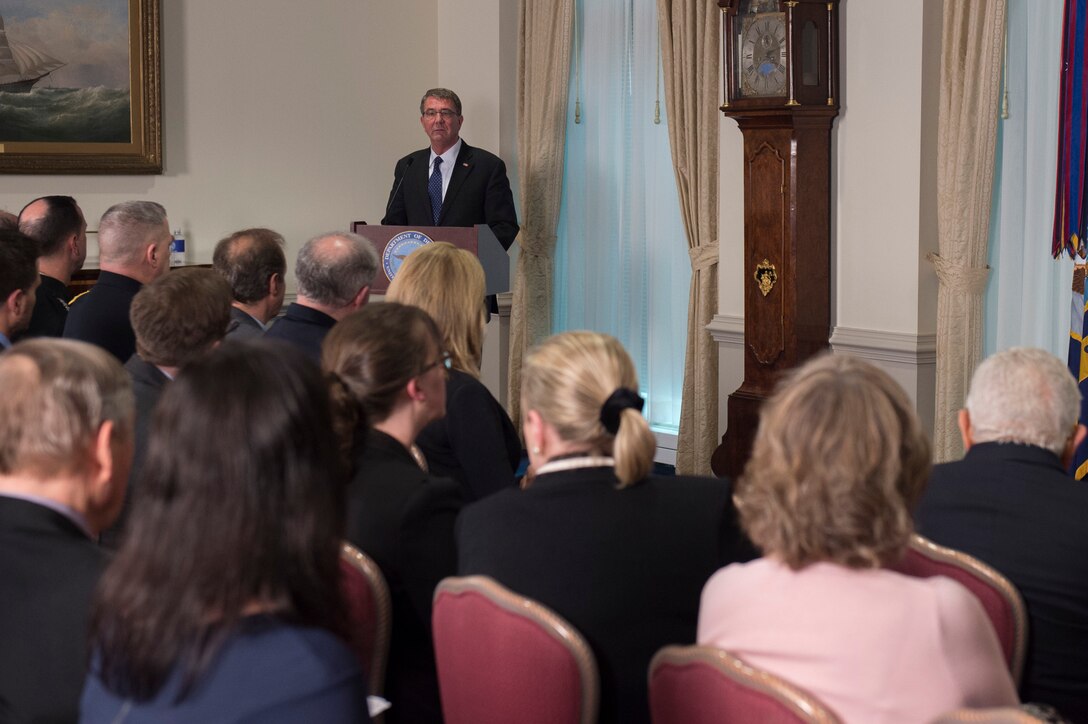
8	220
223	602
619	553
65	447
387	366
252	261
57	224
476	444
177	318
838	461
334	272
1010	502
19	280
133	249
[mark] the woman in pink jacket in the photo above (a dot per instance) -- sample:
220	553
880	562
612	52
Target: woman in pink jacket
839	461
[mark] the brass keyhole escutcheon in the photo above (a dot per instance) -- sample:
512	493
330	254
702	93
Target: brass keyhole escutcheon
766	276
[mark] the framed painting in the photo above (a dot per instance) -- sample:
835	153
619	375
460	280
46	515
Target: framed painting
80	87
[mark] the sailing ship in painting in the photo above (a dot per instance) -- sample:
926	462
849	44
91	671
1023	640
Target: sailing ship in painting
21	66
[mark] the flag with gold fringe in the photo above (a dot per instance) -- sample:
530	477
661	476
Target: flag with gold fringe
1078	362
1070	215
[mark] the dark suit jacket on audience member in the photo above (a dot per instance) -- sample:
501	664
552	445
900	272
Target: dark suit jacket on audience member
478	193
100	316
403	518
1015	508
625	567
243	326
475	443
304	327
48	572
148	382
50	310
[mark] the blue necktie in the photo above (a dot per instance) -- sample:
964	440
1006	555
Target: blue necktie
434	189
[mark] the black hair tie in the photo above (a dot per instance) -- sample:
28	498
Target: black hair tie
614	406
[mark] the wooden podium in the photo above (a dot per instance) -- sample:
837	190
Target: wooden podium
396	242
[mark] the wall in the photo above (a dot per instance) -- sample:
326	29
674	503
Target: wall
281	114
884	206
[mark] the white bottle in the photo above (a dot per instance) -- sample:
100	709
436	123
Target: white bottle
177	249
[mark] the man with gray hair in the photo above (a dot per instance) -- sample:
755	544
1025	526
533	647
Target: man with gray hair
133	249
65	450
334	272
1011	503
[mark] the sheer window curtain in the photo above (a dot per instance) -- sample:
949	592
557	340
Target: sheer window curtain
1027	298
621	265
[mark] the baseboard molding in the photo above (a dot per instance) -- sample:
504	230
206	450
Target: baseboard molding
880	346
727	330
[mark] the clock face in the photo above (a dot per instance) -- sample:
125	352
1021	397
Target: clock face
762	63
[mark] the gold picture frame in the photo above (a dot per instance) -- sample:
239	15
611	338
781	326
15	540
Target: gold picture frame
142	153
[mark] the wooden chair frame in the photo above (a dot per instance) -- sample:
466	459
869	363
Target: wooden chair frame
995	580
380	591
543	617
804	705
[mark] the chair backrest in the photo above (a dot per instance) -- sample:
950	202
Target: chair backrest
999	598
503	657
369	613
704	685
1000	715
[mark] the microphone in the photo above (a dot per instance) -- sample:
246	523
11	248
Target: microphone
396	188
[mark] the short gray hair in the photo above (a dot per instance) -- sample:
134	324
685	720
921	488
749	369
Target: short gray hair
57	394
125	228
443	94
1024	395
332	273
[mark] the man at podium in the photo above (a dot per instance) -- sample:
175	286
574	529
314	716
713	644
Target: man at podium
451	183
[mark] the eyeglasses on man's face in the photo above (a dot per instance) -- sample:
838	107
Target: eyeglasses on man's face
446	113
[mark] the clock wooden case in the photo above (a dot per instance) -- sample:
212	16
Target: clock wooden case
780	76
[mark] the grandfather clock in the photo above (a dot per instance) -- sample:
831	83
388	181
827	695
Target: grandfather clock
780	70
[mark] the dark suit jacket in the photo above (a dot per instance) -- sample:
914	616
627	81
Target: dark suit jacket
148	382
403	518
243	326
304	327
50	310
478	193
475	443
48	572
625	567
100	316
1014	507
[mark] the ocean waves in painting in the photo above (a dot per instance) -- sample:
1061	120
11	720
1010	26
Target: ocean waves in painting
66	115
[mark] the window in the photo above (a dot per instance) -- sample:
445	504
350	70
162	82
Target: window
621	261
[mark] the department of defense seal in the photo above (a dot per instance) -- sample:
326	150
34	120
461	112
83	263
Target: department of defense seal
399	247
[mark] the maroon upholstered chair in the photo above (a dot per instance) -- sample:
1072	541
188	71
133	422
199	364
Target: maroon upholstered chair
505	658
999	598
704	685
369	612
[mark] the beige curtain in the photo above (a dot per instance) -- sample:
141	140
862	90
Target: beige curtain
971	48
689	53
543	70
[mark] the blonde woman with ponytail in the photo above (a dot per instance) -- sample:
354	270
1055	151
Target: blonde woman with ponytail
618	552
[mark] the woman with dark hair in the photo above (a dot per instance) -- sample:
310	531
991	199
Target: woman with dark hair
223	602
388	369
838	462
618	552
475	443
